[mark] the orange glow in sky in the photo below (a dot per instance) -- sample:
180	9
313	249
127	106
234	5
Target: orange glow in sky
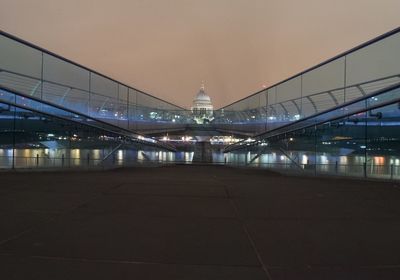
168	47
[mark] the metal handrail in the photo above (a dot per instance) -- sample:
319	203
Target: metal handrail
361	46
109	127
329	92
43	50
278	131
83	90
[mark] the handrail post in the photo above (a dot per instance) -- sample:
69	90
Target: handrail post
391	171
365	169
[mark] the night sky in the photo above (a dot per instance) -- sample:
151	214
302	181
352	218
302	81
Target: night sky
168	47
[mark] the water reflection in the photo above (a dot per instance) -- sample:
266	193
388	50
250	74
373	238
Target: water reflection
322	162
357	165
29	158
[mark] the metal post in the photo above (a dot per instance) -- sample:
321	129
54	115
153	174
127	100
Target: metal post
37	160
14	129
391	171
315	149
88	159
336	167
365	169
62	160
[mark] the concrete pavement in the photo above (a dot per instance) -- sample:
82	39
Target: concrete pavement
196	222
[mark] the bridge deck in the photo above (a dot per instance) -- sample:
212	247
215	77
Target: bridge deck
202	222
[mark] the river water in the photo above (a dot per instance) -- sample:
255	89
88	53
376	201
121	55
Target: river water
387	166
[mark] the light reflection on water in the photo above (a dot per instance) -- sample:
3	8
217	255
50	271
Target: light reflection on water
322	162
81	157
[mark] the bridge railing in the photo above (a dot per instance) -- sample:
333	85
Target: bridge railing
38	73
360	138
356	73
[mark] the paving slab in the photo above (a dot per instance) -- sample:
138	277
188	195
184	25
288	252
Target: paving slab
342	273
287	187
14	223
196	222
305	243
62	269
67	183
161	206
25	201
322	208
165	240
170	189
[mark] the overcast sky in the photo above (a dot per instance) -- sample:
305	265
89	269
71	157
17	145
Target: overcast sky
167	47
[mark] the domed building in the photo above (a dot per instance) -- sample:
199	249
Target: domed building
202	109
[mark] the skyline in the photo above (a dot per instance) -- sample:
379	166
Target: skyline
184	43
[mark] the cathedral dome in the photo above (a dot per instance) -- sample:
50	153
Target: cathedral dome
202	109
202	97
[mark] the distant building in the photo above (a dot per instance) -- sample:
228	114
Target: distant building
202	108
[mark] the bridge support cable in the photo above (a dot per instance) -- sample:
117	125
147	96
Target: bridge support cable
274	111
33	91
259	153
312	103
284	109
333	98
64	95
110	153
363	93
293	160
104	104
297	107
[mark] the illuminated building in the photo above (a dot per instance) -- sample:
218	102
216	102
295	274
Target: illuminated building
202	109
